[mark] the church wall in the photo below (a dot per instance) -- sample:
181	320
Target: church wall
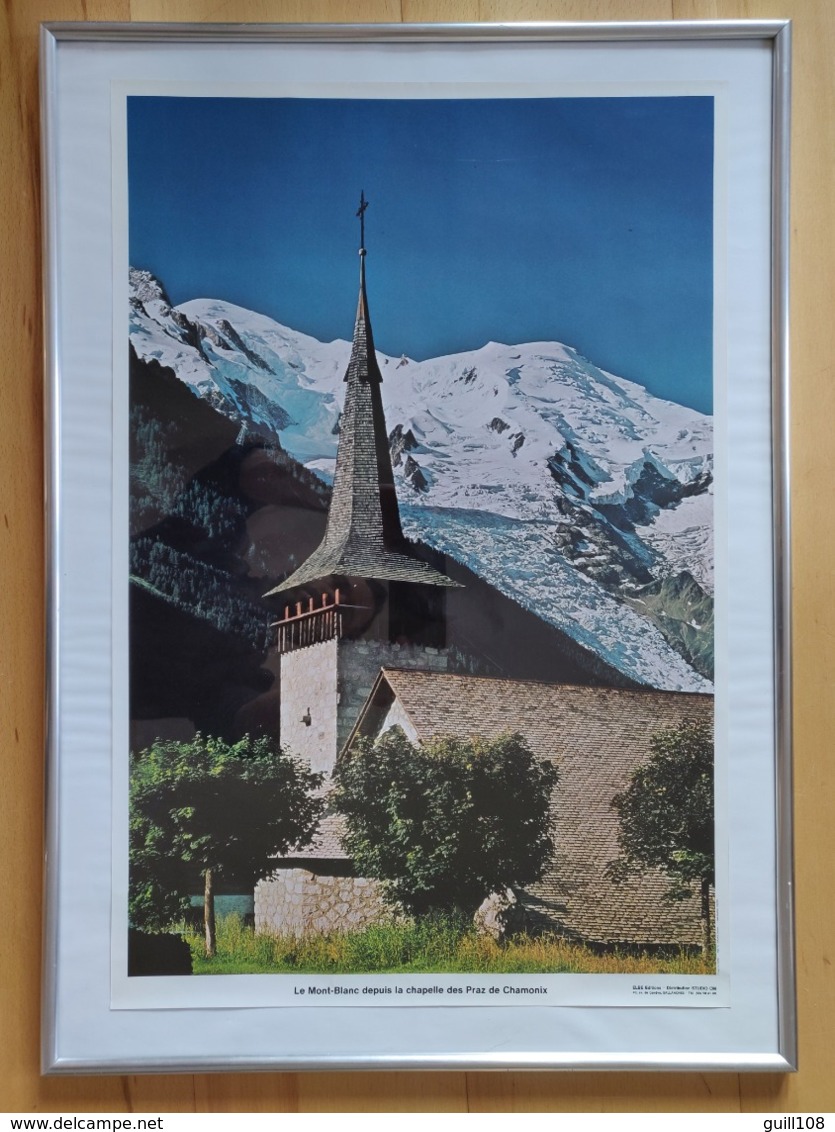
309	687
359	665
298	902
329	682
396	717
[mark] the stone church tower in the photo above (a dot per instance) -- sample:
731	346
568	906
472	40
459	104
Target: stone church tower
365	598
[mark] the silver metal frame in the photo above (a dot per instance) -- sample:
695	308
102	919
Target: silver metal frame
777	31
781	112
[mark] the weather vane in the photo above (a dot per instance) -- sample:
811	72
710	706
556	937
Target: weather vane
361	214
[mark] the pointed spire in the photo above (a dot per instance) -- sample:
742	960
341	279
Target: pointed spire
363	363
361	214
363	536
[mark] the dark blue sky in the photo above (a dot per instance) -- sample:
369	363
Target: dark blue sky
585	220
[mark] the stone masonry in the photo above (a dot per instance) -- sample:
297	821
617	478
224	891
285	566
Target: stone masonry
298	902
310	704
324	686
323	689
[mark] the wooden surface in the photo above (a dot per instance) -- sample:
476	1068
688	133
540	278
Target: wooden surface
21	615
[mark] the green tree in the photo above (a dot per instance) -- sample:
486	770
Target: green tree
666	816
443	825
207	807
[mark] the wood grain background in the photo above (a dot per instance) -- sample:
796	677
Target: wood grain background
22	620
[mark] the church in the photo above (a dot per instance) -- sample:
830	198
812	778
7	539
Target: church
377	631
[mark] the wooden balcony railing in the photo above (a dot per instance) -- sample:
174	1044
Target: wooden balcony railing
309	624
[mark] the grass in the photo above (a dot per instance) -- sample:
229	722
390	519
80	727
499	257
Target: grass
437	945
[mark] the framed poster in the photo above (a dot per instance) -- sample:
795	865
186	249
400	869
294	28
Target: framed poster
419	696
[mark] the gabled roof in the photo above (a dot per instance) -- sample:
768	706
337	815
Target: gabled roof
596	737
555	719
364	538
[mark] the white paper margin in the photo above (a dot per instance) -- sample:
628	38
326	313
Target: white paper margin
87	1030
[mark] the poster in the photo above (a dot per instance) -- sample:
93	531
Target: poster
429	605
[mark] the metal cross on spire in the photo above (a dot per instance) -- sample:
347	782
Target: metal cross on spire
361	214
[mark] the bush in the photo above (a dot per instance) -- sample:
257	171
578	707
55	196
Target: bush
666	816
206	807
442	826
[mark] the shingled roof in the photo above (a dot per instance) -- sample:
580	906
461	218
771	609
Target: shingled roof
364	538
596	737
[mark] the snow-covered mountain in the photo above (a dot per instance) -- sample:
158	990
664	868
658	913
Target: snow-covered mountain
575	492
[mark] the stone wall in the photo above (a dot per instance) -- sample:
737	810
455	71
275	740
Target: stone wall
299	902
309	691
359	665
324	686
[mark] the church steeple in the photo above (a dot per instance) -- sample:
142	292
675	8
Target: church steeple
364	538
363	363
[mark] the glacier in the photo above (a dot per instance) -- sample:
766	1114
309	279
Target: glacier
565	486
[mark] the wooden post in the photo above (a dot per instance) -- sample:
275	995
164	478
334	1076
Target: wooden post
209	913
